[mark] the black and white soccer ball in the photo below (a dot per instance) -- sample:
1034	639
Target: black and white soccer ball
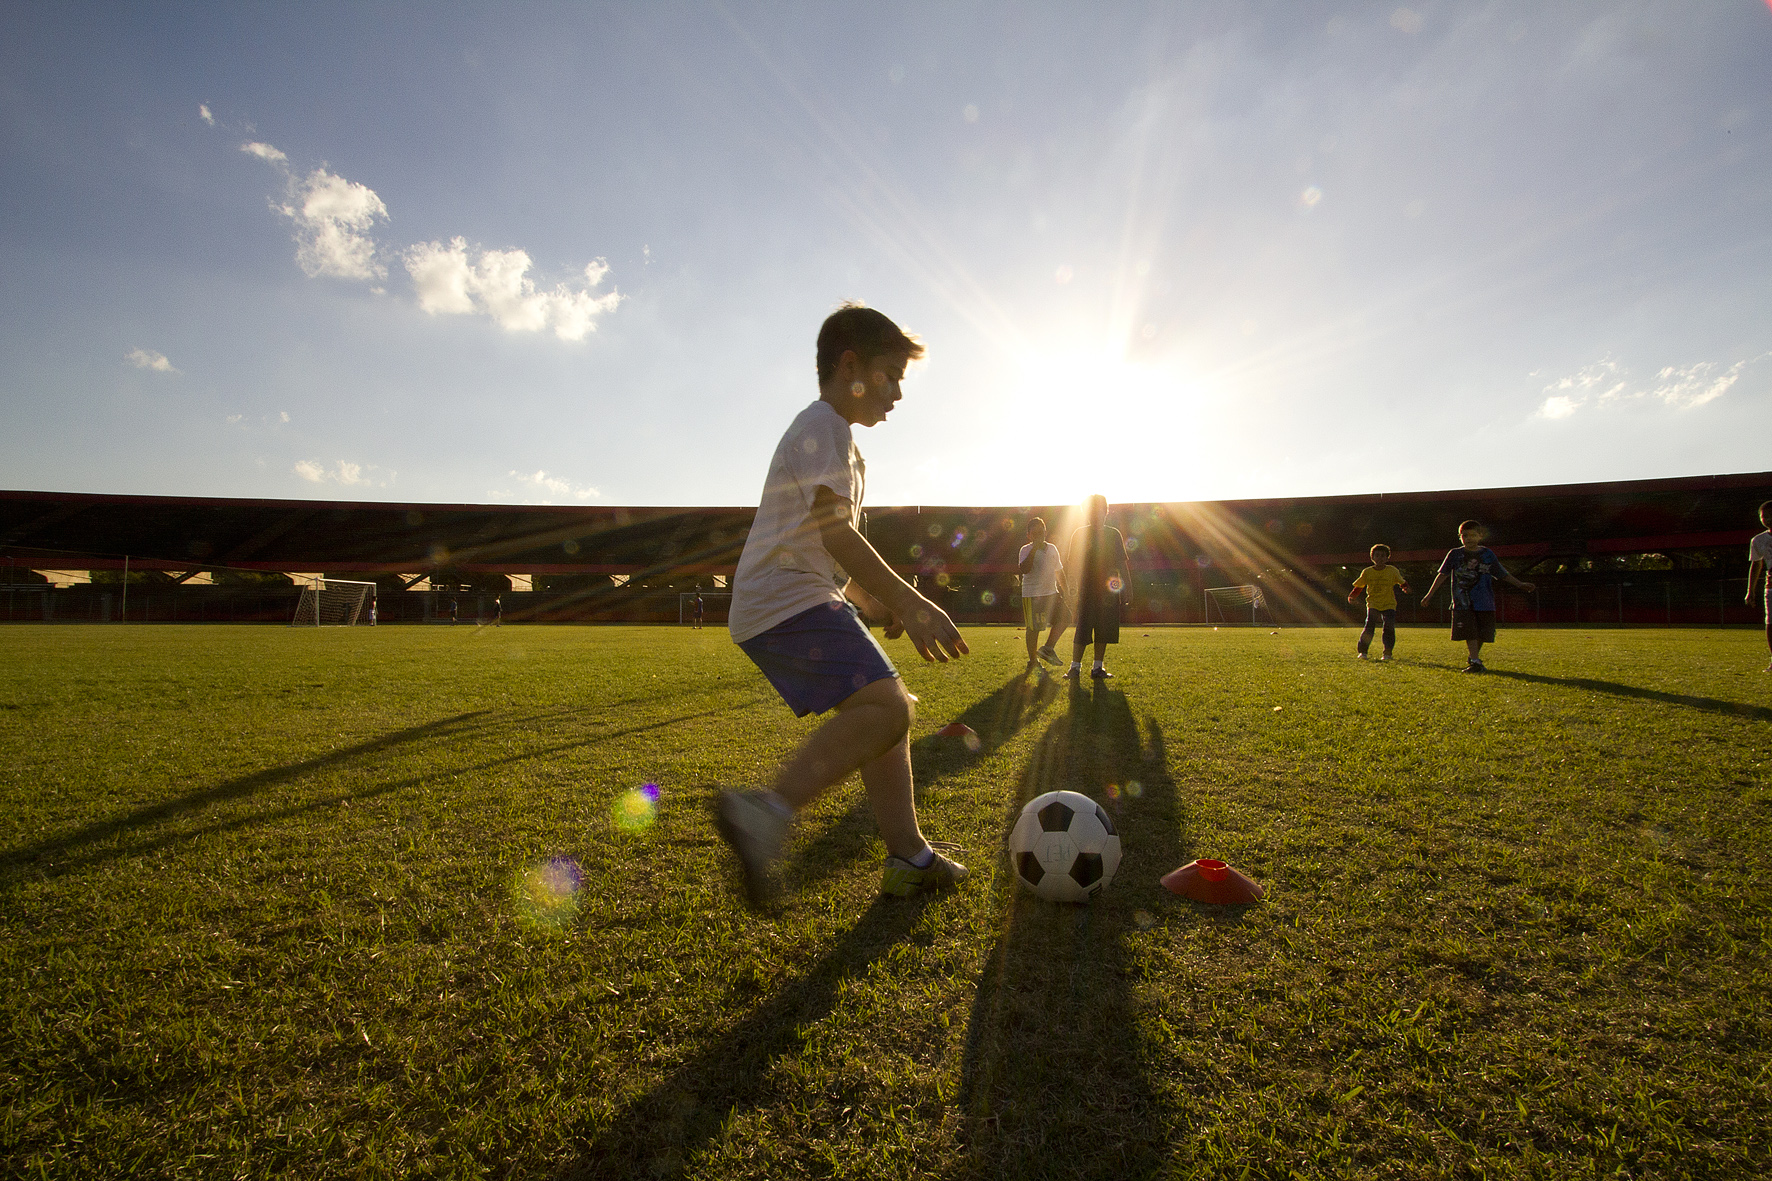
1064	847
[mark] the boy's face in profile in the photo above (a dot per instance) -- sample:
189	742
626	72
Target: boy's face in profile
1766	517
873	392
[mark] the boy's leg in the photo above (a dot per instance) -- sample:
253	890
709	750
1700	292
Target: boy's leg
1390	632
869	723
1475	647
1365	641
890	794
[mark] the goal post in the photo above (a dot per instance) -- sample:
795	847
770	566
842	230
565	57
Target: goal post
335	602
1231	598
686	602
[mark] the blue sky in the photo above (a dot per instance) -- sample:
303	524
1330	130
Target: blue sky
578	254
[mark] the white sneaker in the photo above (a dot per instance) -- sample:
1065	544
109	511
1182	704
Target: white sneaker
1051	657
902	878
756	832
1359	656
1384	656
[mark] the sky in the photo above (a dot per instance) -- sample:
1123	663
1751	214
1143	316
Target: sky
578	254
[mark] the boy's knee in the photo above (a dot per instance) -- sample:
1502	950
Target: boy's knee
888	700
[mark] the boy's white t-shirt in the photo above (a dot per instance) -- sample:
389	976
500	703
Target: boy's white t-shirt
785	568
1042	576
1760	550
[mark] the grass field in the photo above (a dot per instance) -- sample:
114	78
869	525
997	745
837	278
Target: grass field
269	905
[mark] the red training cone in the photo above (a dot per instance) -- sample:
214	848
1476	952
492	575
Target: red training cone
955	730
1206	880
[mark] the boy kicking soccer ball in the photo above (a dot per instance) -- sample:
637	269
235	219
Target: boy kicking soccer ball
1380	581
802	624
1472	569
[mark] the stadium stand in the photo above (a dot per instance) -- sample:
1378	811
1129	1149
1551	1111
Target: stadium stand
1645	552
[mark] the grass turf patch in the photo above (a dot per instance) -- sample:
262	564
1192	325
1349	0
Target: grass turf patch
267	906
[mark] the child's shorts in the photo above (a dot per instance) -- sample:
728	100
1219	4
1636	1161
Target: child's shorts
1098	621
1473	625
1039	612
817	659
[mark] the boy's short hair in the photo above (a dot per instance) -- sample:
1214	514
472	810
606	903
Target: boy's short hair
1380	548
1478	526
1764	506
1032	521
868	333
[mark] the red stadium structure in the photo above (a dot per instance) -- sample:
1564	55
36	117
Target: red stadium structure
1635	552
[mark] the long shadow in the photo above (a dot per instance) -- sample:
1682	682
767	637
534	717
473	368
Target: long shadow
63	854
1054	1066
1707	704
995	718
658	1133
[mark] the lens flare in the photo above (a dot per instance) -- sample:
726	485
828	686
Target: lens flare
1116	584
934	530
1134	788
1132	545
916	551
973	742
942	579
989	598
958	540
634	811
545	894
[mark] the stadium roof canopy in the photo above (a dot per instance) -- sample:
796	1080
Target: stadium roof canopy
82	531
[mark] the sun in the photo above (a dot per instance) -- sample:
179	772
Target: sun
1071	422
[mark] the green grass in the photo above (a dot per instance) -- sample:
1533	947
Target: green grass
257	914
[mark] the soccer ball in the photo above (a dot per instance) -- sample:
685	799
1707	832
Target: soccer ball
1064	847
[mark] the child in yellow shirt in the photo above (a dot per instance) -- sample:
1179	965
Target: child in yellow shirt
1380	581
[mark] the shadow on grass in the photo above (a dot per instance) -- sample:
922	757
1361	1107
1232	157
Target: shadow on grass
996	718
1707	704
72	852
1055	1069
657	1134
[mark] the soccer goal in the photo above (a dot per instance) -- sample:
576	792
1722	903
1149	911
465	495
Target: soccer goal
335	602
1228	599
686	603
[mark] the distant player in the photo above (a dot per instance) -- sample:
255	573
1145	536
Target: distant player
498	610
1101	586
697	608
1042	582
1472	569
1380	581
802	624
1759	555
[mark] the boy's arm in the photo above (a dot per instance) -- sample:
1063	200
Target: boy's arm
1755	570
1429	593
1507	577
1359	583
1027	563
930	629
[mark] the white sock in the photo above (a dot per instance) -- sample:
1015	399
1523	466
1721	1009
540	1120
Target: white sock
924	859
1098	664
1076	666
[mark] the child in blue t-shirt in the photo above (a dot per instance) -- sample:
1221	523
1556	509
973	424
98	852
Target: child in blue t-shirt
1472	569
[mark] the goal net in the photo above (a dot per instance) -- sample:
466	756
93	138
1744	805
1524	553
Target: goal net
335	602
710	602
1229	603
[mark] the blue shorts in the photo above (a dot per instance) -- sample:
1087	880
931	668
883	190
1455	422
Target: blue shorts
819	658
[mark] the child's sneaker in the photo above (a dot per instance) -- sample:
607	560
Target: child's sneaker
1475	666
902	878
756	831
1100	673
1386	656
1051	657
1360	656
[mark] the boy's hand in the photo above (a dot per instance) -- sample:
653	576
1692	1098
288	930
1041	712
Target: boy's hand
931	631
1352	595
1526	586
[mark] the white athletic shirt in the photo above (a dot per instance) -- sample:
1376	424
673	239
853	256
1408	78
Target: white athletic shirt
1042	576
1760	550
785	568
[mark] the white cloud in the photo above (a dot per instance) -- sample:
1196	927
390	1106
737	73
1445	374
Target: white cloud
1695	384
234	419
265	152
149	359
344	472
203	114
333	217
542	482
1605	381
497	284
